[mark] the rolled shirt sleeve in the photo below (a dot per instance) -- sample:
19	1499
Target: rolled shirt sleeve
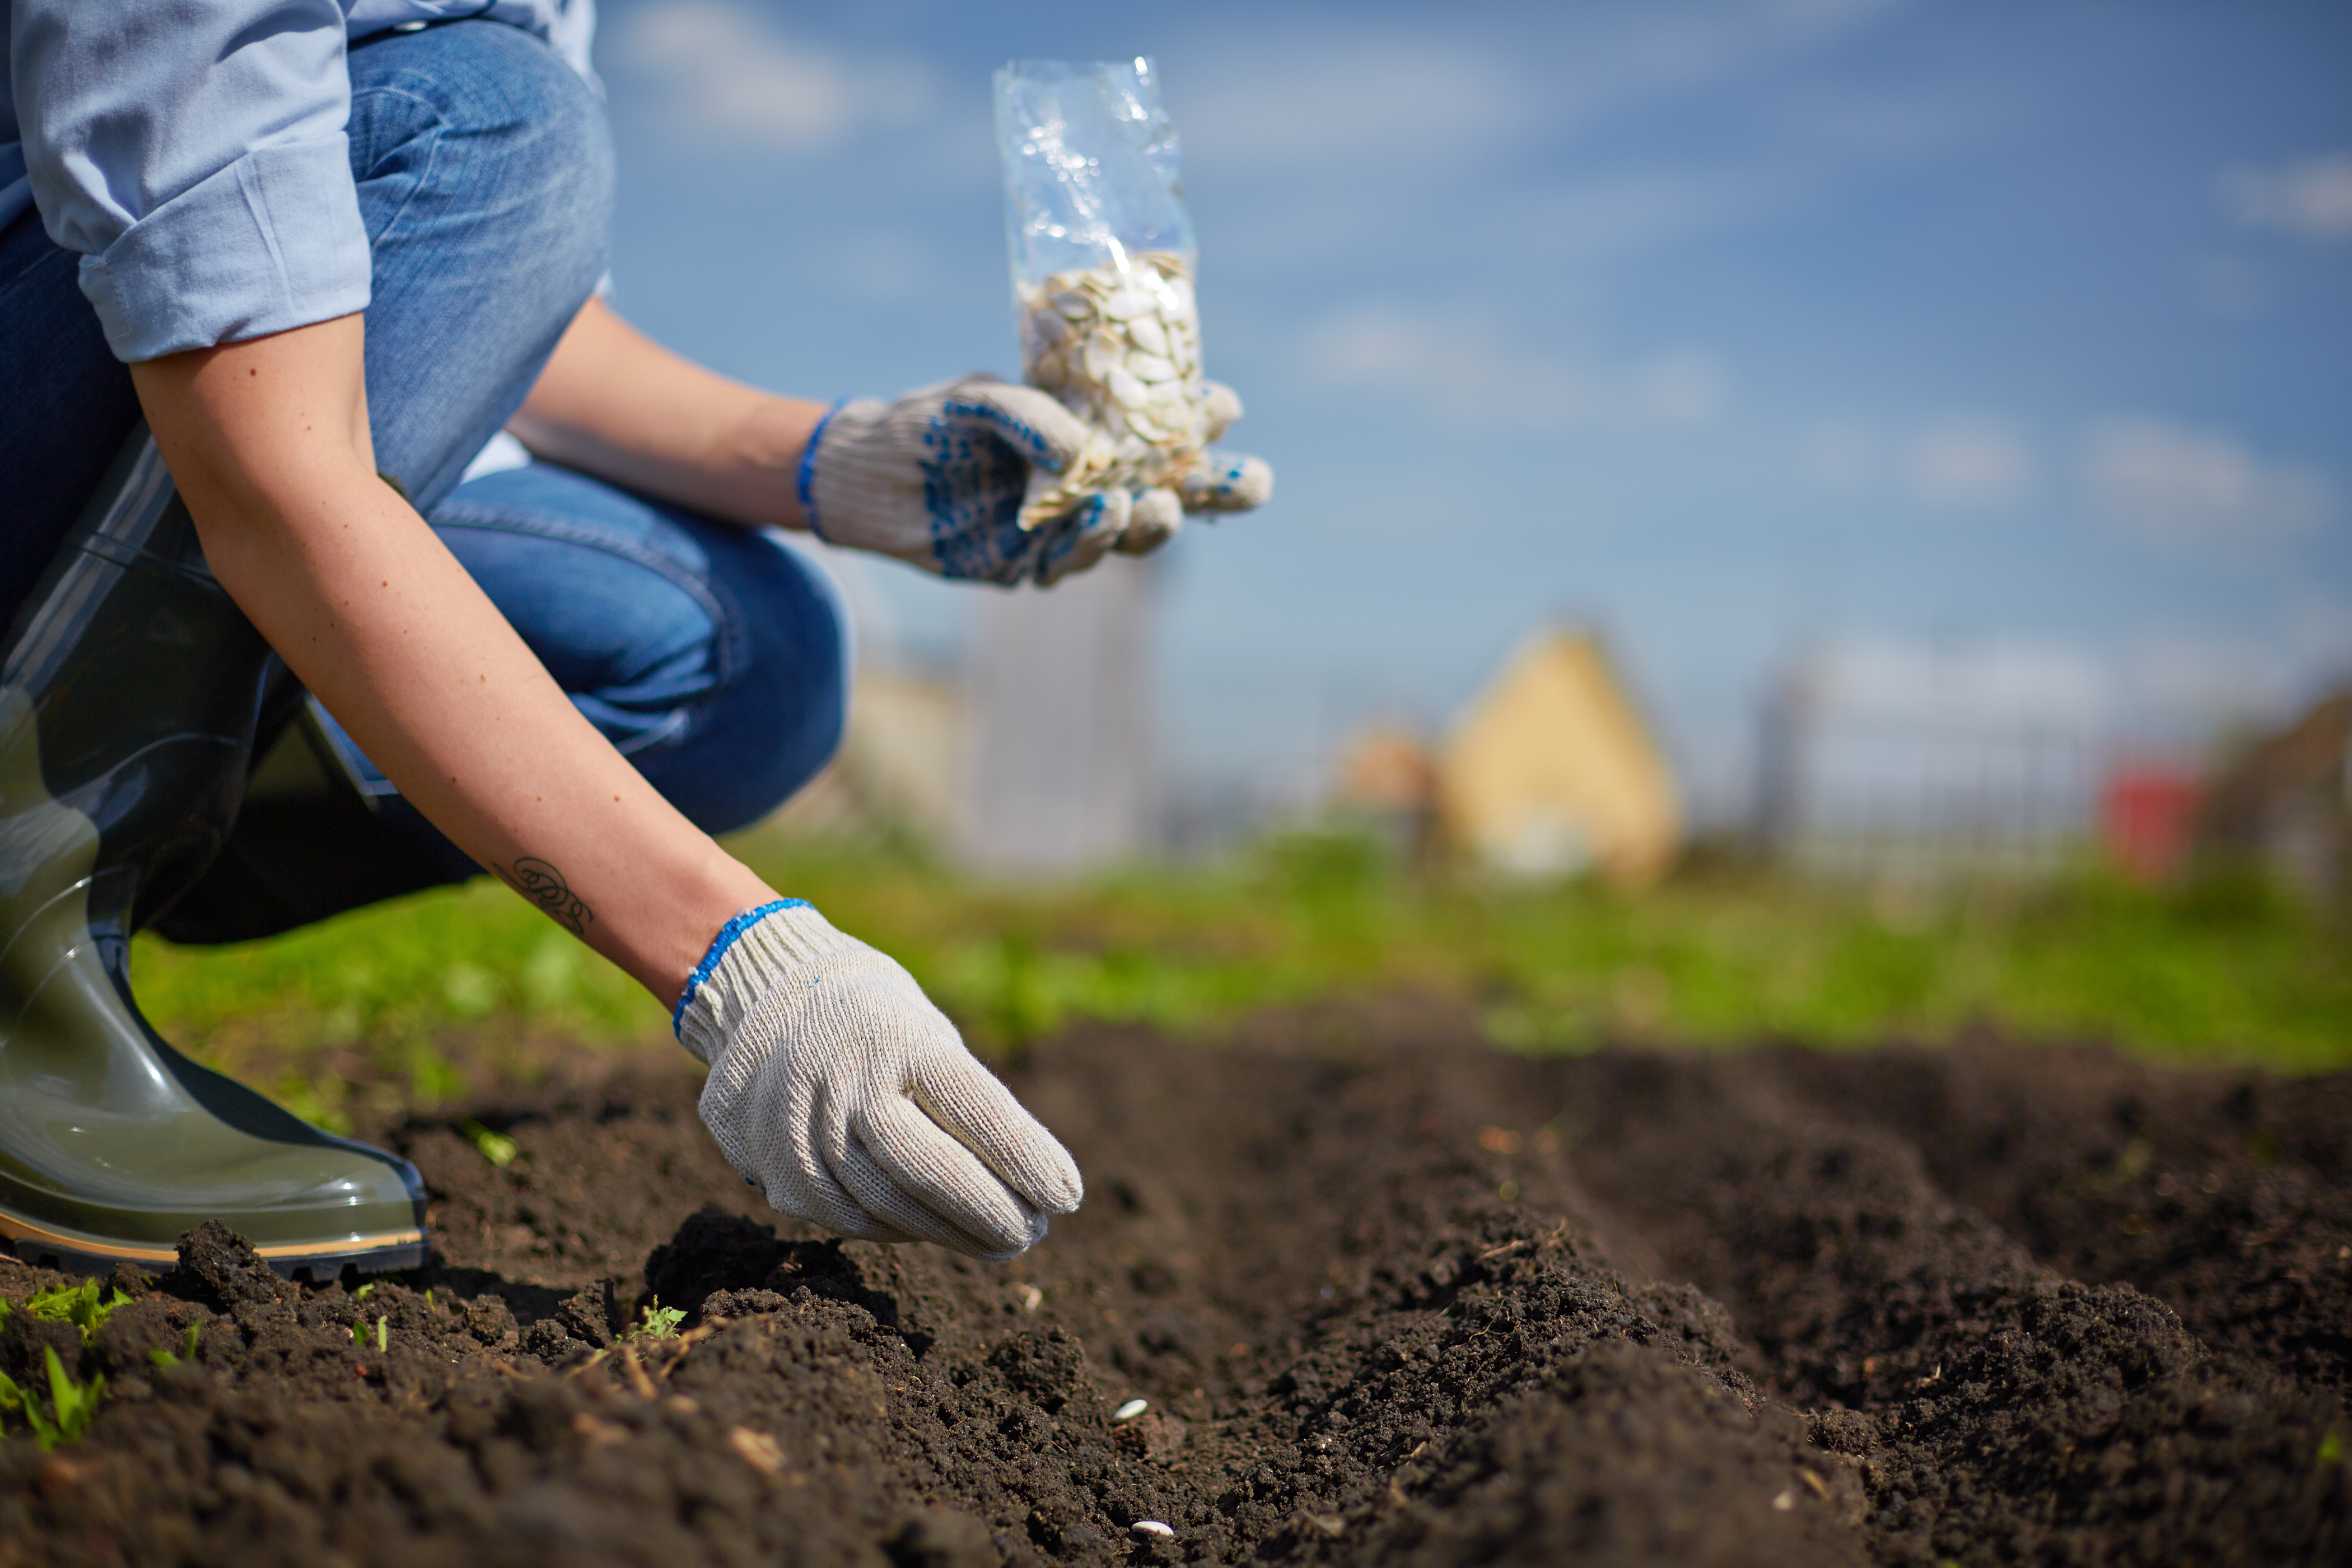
194	153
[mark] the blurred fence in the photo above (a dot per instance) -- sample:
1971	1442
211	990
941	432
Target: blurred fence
1910	767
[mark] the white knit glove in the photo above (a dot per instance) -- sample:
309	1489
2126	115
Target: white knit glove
850	1101
937	477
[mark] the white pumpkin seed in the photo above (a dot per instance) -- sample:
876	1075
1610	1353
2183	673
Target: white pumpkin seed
1125	386
1147	334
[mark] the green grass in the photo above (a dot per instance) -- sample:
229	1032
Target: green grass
403	1003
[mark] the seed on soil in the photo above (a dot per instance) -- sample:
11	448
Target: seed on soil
1785	1501
1130	1410
759	1450
1153	1527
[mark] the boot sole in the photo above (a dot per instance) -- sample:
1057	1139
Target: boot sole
77	1252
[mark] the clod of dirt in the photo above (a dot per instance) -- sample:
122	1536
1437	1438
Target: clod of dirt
1393	1301
221	1270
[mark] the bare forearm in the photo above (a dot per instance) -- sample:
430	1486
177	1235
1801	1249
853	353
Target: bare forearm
613	402
268	441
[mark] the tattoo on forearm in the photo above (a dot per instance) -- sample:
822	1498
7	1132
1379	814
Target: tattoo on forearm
543	885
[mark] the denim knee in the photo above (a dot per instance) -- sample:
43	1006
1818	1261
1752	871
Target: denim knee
485	172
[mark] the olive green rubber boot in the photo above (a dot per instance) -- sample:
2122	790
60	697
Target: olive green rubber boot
129	688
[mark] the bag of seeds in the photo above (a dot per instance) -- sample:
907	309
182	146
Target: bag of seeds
1102	275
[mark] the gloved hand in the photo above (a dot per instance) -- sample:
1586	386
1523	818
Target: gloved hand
850	1101
937	477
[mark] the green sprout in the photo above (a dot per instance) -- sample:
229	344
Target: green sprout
2331	1448
658	1322
72	1406
364	1292
80	1305
495	1147
383	1335
163	1356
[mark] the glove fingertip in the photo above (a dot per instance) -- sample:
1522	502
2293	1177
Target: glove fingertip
1227	482
1044	1172
1222	405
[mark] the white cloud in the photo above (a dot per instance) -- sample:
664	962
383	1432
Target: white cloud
729	76
2183	487
1968	464
2312	198
1462	367
1354	102
1301	97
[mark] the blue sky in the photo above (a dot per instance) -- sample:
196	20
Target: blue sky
2020	326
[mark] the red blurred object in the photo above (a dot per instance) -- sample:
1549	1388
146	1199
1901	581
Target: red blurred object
2147	815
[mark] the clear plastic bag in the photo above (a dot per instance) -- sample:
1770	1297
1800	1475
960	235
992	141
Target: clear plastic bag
1103	257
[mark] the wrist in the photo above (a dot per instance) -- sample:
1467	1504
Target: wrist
746	959
804	475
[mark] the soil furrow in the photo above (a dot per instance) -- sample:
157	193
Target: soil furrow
1390	1297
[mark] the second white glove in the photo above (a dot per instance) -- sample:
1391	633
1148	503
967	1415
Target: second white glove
849	1099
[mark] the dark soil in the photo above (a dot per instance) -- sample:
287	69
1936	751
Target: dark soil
1392	1298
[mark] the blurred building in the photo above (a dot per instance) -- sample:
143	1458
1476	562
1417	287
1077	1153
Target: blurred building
1057	708
1032	753
2286	806
1552	770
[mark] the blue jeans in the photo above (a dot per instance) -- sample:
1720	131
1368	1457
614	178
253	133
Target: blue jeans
713	658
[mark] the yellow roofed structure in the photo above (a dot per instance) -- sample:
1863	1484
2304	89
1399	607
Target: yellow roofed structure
1552	770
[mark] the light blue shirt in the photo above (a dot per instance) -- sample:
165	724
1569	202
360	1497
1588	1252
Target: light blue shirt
194	153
